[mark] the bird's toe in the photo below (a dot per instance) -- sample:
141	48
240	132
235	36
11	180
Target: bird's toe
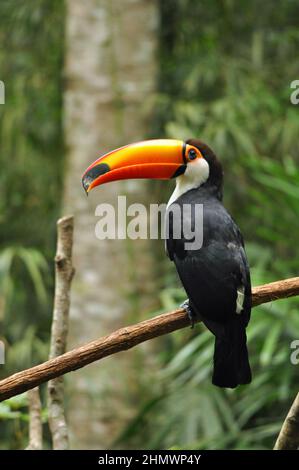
190	312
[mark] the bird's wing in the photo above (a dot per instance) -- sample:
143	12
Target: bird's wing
216	277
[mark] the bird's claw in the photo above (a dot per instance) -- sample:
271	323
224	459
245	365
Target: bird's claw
190	312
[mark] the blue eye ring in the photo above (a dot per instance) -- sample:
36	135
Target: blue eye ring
192	154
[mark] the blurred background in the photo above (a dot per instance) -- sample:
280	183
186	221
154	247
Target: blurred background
85	77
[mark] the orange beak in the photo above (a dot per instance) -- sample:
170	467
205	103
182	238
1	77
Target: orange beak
152	159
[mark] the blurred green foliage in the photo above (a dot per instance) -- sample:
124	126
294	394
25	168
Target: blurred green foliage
225	75
31	176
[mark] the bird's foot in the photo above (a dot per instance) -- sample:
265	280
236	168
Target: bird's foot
190	312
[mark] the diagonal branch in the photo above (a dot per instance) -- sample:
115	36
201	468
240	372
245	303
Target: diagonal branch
124	339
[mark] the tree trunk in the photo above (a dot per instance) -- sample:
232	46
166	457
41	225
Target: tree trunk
110	73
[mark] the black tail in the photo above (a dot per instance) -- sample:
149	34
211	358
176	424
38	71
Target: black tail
231	364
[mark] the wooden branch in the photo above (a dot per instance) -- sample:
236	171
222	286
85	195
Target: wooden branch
64	272
288	438
275	291
35	421
124	339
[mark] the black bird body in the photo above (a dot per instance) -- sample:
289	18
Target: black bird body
216	277
213	274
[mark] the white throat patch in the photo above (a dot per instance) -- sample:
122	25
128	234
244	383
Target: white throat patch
197	173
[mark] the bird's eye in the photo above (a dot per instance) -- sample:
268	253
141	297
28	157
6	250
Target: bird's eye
192	154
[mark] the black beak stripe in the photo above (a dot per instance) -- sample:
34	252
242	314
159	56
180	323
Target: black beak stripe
179	171
94	173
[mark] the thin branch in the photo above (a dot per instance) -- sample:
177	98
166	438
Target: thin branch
64	272
35	421
288	438
124	339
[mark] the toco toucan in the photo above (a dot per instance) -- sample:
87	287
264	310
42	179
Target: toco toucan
215	276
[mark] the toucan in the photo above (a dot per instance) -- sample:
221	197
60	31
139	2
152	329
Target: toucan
216	275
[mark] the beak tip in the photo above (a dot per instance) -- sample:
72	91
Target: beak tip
85	185
90	176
